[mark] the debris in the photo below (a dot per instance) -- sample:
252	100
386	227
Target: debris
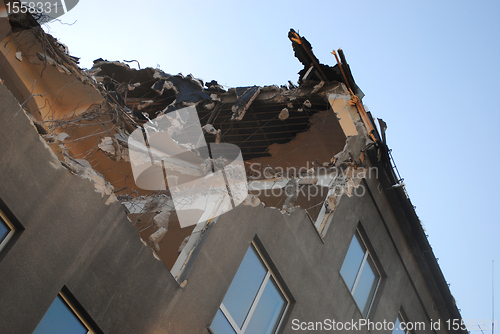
209	128
331	202
151	204
46	59
183	244
244	101
292	192
83	169
169	85
19	56
145	104
269	172
162	219
251	200
317	87
214	86
188	90
159	86
308	181
156	237
112	147
134	86
383	128
313	70
62	136
307	104
209	105
107	144
283	114
399	185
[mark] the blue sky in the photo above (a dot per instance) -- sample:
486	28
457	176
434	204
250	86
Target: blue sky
430	69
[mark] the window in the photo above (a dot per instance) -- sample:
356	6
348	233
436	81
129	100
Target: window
254	303
61	318
360	274
400	326
6	230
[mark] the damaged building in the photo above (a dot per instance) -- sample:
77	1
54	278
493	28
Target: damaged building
157	233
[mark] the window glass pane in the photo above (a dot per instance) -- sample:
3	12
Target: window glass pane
266	315
220	325
366	285
59	319
352	262
396	327
244	287
4	229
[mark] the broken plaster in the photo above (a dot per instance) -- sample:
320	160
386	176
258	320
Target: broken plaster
83	169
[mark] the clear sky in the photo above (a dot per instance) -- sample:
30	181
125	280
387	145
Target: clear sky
430	69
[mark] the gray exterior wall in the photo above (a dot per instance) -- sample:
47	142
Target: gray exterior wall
72	238
307	266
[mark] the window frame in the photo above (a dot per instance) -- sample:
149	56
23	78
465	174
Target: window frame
76	309
368	254
11	233
402	319
69	304
270	276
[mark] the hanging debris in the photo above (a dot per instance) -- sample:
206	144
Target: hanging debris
246	95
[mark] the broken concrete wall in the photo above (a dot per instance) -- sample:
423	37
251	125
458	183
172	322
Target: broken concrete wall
291	134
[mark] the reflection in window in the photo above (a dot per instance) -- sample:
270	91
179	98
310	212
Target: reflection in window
400	326
360	274
254	303
6	230
60	319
